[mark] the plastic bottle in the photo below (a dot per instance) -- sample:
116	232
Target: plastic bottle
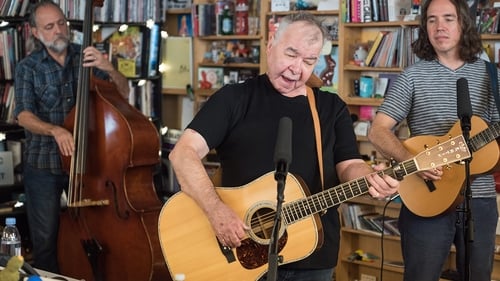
226	21
241	9
11	239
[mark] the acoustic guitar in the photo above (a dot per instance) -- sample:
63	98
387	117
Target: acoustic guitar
431	198
190	246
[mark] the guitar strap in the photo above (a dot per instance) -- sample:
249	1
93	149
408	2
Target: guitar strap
492	72
317	132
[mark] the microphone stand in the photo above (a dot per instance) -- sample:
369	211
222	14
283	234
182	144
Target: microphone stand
469	222
273	257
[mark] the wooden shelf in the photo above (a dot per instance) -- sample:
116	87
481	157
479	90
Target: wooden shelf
230	37
173	91
354	100
314	12
382	24
231	65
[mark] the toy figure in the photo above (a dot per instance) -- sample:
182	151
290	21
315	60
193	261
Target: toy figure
11	271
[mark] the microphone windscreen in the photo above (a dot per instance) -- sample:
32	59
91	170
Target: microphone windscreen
464	107
283	148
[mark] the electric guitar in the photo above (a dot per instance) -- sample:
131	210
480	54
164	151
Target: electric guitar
191	247
431	198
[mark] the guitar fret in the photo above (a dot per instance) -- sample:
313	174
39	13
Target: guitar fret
486	136
286	214
315	204
332	199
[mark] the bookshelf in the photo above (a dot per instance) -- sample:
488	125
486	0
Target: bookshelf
369	242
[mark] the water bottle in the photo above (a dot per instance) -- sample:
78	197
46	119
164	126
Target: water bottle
11	239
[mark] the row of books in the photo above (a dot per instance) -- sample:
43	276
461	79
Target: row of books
205	19
6	102
141	97
14	8
375	10
392	48
364	217
12	48
117	11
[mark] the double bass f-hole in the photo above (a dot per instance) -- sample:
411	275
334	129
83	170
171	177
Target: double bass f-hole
123	215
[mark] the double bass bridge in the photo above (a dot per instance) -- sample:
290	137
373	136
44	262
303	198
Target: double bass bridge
89	203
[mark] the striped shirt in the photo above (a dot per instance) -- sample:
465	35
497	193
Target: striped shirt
425	94
48	90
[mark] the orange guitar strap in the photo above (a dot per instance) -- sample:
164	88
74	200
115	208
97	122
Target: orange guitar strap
317	132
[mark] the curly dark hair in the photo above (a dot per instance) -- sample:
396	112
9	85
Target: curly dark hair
470	46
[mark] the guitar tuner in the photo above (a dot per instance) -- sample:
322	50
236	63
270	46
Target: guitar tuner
398	171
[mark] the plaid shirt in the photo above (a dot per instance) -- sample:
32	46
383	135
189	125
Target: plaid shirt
48	90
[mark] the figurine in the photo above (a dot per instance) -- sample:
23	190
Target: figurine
360	55
11	271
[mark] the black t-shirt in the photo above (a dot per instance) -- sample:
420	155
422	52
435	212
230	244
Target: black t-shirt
240	122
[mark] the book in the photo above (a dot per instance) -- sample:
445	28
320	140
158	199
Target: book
367	10
177	62
178	4
392	225
185	25
357	210
154	47
210	77
374	47
381	84
391	77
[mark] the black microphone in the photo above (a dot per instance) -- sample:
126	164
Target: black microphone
464	107
283	148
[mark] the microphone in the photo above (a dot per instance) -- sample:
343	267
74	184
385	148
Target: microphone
283	148
464	107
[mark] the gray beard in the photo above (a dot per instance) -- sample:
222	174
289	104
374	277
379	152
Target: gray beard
58	46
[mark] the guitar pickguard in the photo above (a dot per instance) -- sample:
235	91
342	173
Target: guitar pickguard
253	255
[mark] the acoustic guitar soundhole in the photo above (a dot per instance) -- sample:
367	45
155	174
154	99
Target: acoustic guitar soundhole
254	251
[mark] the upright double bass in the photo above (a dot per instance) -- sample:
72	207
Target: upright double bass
108	231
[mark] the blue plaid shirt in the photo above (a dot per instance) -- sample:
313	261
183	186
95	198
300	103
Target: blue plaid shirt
48	90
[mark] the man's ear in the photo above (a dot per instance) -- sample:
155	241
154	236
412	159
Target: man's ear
34	32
